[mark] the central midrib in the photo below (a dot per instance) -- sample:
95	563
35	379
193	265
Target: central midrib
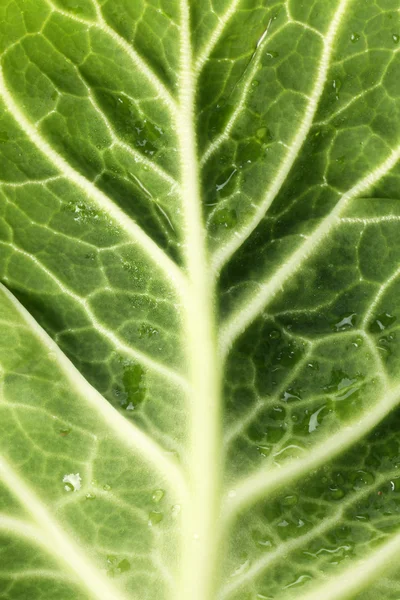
199	534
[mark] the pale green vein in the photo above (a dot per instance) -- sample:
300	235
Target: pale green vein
21	529
138	157
56	540
234	432
125	349
251	309
262	482
378	297
303	541
225	252
362	574
240	104
128	433
371	220
154	252
139	62
215	37
37	574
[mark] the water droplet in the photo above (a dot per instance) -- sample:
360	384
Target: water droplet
294	451
299	581
336	84
345	322
4	137
395	38
226	218
158	495
64	431
90	496
241	568
117	567
283	523
264	450
382	322
290	395
362	479
336	493
272	54
265	543
124	566
290	500
72	482
147	331
155	517
314	366
275	334
221	186
255	83
176	510
106	487
354	37
313	423
134	384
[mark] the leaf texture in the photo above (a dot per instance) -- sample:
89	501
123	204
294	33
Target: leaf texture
199	315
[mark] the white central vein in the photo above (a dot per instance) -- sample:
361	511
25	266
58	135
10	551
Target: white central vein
124	430
225	252
90	191
198	539
57	541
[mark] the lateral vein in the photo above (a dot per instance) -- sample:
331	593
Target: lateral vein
56	540
137	60
253	488
125	430
215	37
222	255
249	311
152	250
118	344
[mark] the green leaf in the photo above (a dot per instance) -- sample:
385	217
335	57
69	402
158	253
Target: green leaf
199	266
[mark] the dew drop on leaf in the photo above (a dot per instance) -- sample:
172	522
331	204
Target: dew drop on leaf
134	386
336	493
226	218
382	322
73	482
4	137
395	38
355	37
124	566
90	496
345	322
158	495
64	431
362	479
290	500
155	517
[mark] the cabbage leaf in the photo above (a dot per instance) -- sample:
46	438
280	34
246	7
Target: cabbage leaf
199	266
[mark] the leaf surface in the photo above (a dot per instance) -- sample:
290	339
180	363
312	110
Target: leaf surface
199	266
